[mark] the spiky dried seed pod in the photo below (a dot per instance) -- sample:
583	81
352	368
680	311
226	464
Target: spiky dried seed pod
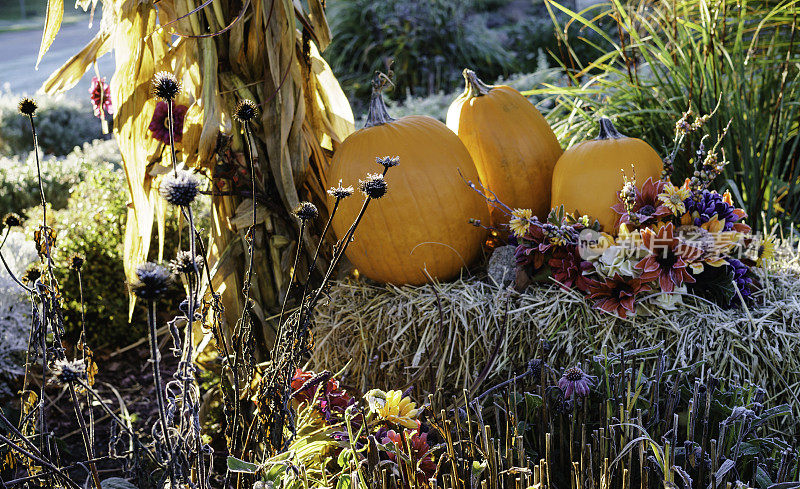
179	188
388	161
306	211
374	186
12	220
31	275
183	263
76	262
341	191
246	111
166	86
27	106
65	371
151	282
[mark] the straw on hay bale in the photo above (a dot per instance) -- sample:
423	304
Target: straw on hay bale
390	337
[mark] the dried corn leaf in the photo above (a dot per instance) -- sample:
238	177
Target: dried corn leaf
52	24
73	70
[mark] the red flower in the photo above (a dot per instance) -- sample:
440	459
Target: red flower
426	467
100	96
533	246
160	122
617	295
647	206
668	258
567	268
333	400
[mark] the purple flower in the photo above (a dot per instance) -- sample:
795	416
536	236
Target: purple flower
711	203
100	95
575	381
740	272
160	122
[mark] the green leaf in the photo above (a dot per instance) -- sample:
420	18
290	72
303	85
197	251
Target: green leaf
52	24
116	483
236	465
533	401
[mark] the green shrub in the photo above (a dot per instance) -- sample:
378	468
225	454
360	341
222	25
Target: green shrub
681	55
19	179
61	124
430	41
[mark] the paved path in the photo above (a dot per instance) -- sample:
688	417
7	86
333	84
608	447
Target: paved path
18	52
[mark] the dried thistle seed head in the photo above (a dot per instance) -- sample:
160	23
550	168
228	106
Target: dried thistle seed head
166	86
27	106
306	211
76	262
340	192
151	281
31	275
65	371
374	186
184	263
12	220
246	111
388	161
179	188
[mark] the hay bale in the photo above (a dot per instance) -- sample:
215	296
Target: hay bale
390	336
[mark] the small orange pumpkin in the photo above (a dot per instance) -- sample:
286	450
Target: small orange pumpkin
512	145
588	176
423	221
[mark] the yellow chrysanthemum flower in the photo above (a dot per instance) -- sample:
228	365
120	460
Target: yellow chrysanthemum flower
520	221
766	251
673	198
393	407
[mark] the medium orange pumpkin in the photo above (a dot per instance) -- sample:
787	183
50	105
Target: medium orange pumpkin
588	176
423	221
512	145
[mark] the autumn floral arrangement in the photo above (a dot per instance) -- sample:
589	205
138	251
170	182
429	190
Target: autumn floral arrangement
669	241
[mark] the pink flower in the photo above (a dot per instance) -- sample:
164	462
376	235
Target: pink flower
160	122
100	96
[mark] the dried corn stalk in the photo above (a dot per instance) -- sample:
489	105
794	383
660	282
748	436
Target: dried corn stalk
222	51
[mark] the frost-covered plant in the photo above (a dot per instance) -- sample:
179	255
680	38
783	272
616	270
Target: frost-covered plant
63	123
15	310
60	175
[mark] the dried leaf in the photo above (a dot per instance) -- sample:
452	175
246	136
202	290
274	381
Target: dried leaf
52	24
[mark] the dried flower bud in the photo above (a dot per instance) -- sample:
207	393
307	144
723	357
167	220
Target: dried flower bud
388	161
27	106
306	211
179	188
12	220
183	263
340	192
374	186
65	372
246	111
165	85
151	281
31	275
76	262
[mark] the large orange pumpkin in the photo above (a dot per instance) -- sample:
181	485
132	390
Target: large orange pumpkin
423	221
588	176
512	145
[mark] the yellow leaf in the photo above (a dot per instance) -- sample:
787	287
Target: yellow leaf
52	23
71	72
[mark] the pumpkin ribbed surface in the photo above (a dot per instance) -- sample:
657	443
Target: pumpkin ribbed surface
511	143
588	176
422	222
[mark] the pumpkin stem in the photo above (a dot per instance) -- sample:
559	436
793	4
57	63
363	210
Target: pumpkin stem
475	86
378	113
607	130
